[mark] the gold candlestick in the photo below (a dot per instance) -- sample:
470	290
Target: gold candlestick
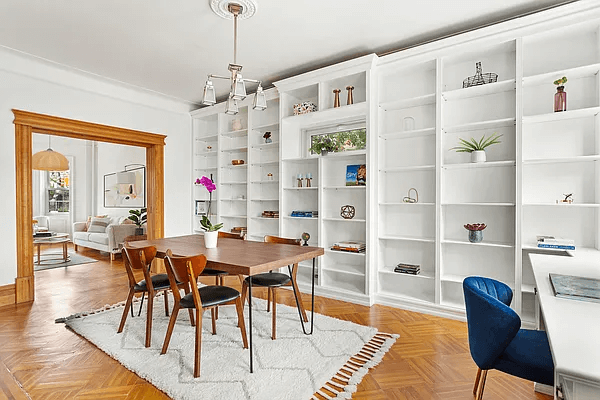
350	98
336	101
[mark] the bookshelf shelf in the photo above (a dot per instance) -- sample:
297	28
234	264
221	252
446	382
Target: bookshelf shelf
488	164
407	238
483	125
408	103
484	243
238	133
561	116
571	73
408	134
562	160
408	169
481	90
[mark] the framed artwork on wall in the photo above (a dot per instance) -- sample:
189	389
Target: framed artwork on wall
201	207
125	189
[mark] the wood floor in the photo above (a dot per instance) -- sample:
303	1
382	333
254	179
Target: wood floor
430	360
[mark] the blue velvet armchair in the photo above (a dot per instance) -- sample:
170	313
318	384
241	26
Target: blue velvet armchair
495	338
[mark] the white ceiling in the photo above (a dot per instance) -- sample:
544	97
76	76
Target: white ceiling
169	46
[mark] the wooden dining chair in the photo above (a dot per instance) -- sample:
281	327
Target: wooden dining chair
218	274
186	270
141	259
273	281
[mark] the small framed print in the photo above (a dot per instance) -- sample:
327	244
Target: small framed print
201	207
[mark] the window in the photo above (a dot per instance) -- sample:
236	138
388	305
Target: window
348	140
58	191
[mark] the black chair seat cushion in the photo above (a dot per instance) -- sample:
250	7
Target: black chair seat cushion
159	282
269	279
212	272
210	296
528	356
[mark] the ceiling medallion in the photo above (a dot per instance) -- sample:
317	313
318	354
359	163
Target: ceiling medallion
221	8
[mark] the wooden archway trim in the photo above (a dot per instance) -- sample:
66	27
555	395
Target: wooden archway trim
25	124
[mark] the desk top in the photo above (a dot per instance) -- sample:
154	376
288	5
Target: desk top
233	255
573	326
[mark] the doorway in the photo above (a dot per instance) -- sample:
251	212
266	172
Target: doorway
26	123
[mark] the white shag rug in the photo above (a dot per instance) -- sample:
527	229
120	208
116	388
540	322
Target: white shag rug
295	366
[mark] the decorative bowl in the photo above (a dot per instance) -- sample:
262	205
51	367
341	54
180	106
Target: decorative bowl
237	162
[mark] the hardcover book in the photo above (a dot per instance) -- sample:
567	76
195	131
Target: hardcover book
576	287
356	175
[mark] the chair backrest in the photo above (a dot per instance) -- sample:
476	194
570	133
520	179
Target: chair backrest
138	258
492	323
180	268
185	270
281	240
230	235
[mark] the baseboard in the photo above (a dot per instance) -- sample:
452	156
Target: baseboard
545	389
337	294
7	295
421	307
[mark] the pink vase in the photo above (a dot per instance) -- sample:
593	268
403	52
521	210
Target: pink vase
560	99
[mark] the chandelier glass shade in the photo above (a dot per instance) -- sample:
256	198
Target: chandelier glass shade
237	82
49	160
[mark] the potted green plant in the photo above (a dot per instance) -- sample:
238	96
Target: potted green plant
477	147
323	144
139	218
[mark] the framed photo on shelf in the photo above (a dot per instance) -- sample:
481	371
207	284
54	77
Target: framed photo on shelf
201	207
356	175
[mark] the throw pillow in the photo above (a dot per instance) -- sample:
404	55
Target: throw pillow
99	225
88	222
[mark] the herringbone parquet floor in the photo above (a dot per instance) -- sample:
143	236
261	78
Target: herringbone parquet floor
430	360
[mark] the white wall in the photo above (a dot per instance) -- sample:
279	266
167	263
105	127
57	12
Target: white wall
113	158
30	84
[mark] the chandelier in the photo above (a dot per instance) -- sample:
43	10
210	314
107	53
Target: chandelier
225	9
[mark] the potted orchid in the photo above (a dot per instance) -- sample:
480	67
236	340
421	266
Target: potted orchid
210	231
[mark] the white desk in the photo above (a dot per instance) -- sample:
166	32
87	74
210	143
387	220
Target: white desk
573	326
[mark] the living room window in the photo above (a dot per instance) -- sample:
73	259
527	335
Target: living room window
57	189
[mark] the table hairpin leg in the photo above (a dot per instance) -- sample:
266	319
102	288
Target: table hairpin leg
312	309
250	316
141	304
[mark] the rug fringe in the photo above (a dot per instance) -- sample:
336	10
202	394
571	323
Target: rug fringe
353	372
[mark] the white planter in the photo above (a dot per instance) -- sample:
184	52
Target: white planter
210	239
478	156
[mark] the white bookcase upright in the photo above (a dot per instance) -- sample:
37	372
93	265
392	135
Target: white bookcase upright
243	191
339	274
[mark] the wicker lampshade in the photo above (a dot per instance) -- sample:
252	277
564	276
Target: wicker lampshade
49	160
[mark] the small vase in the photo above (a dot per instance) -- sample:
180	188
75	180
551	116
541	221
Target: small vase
350	99
475	236
560	99
139	231
210	239
324	152
478	156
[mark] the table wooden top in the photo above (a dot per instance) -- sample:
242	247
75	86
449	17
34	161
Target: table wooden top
235	256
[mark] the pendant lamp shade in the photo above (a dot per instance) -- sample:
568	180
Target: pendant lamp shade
49	160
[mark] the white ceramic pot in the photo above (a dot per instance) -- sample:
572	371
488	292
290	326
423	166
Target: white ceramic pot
210	239
478	156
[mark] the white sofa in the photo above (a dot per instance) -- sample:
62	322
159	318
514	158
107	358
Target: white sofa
110	241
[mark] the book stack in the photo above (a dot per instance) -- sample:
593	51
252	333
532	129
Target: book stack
412	269
242	230
550	242
270	214
305	214
350	246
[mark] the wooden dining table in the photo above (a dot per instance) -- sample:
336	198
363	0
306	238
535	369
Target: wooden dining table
243	257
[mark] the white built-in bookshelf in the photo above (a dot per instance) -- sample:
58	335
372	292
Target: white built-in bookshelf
243	191
415	109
